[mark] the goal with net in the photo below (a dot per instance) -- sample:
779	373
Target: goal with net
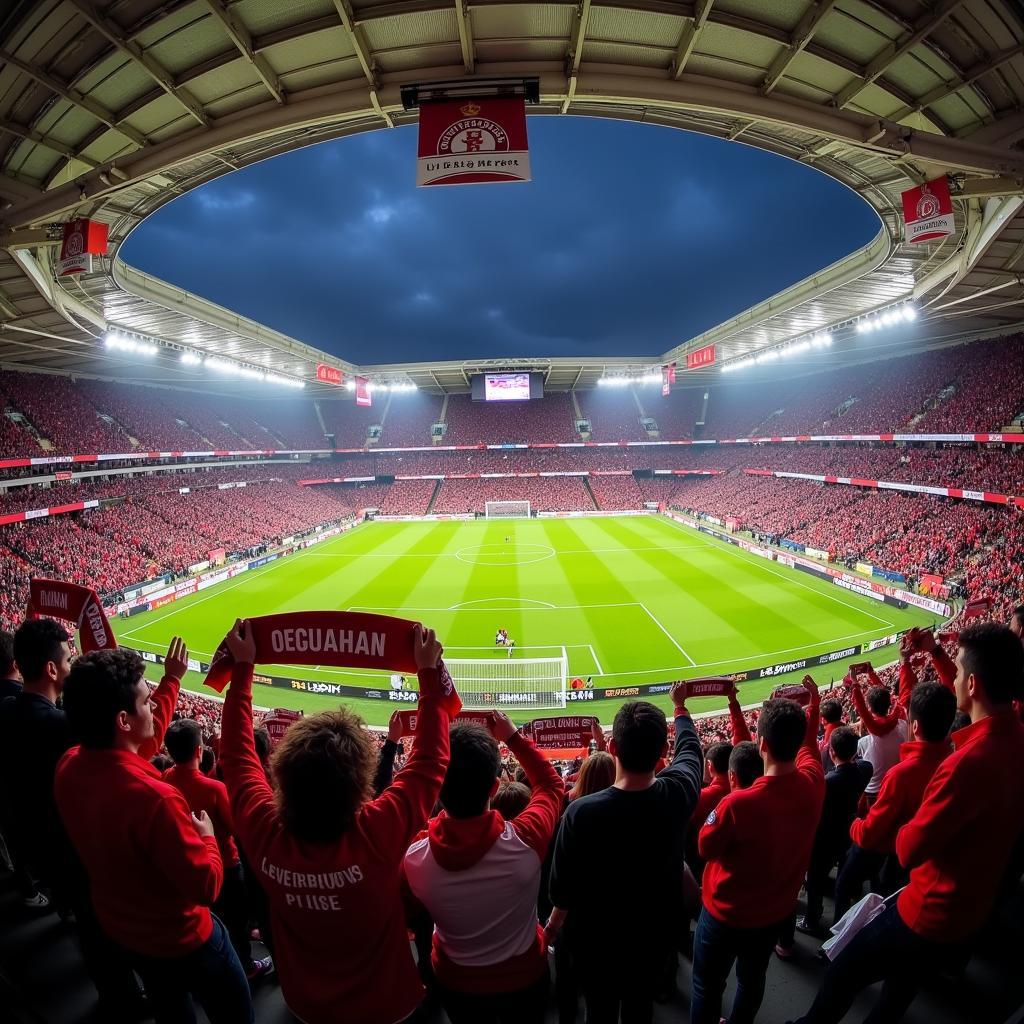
485	683
507	509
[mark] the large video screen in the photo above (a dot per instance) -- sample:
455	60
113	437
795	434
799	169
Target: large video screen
506	387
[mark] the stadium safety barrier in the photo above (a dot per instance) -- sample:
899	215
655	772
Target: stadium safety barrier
989	497
158	594
60	460
893	595
41	513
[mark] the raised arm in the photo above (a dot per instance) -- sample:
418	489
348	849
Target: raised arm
536	823
684	774
808	758
738	721
252	800
165	696
394	818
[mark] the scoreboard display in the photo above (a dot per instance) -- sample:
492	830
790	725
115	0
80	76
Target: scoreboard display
507	387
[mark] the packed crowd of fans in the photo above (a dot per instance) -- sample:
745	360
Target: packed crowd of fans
470	840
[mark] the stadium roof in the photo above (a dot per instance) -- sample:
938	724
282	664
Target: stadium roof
110	110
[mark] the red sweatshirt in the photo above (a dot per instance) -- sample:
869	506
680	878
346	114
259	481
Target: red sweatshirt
899	796
340	941
757	843
205	794
478	877
958	844
152	877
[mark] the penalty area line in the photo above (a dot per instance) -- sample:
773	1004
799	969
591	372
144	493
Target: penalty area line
675	643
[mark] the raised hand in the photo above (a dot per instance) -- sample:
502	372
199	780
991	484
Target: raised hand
176	662
241	643
502	727
426	647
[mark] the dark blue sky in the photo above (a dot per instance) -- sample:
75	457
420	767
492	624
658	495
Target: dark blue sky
630	239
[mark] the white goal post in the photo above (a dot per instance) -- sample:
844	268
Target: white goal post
507	509
503	682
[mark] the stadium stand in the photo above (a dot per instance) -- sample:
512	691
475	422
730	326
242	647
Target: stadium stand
552	494
349	423
409	419
469	422
614	414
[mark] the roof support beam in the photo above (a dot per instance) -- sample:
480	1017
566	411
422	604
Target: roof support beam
241	37
358	40
941	92
466	35
76	99
57	147
575	54
688	39
802	35
135	53
923	27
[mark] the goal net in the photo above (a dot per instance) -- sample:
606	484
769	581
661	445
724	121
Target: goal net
502	682
507	509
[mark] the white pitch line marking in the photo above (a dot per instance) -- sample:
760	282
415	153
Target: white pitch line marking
597	661
675	644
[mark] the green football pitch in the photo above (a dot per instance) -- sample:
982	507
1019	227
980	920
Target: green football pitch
632	600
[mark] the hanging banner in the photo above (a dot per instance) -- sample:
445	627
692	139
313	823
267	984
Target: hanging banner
363	396
701	357
329	375
928	211
666	382
82	240
466	142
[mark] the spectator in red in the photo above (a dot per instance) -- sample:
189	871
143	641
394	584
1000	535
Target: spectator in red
975	801
873	853
746	766
34	736
154	867
328	855
637	826
832	716
478	877
184	742
757	846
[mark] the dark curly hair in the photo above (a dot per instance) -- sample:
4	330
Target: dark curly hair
323	768
100	686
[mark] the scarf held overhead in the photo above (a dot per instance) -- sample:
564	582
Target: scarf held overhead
344	639
72	603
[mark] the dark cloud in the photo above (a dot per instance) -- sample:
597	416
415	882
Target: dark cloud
631	239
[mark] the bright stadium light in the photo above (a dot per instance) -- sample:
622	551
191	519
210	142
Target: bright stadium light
191	359
120	343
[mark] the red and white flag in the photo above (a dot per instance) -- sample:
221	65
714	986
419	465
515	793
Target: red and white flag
363	396
473	141
928	211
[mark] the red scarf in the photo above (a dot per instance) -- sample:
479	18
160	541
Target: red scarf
709	686
80	605
345	639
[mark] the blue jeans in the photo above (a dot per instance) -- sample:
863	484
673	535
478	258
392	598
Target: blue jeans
212	973
885	950
716	947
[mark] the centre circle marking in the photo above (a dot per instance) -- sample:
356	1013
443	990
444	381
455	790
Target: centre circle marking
504	554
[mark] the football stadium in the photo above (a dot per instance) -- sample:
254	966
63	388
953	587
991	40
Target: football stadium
596	599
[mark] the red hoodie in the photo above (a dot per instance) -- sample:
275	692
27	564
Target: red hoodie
712	794
340	941
205	794
757	843
479	877
151	876
899	796
958	843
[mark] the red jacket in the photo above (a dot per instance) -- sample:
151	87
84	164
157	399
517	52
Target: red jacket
205	794
152	877
478	877
958	844
340	941
710	797
899	796
757	843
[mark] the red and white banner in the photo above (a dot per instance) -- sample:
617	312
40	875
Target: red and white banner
82	240
473	141
667	376
409	719
363	395
709	686
793	691
329	375
701	357
928	211
277	723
